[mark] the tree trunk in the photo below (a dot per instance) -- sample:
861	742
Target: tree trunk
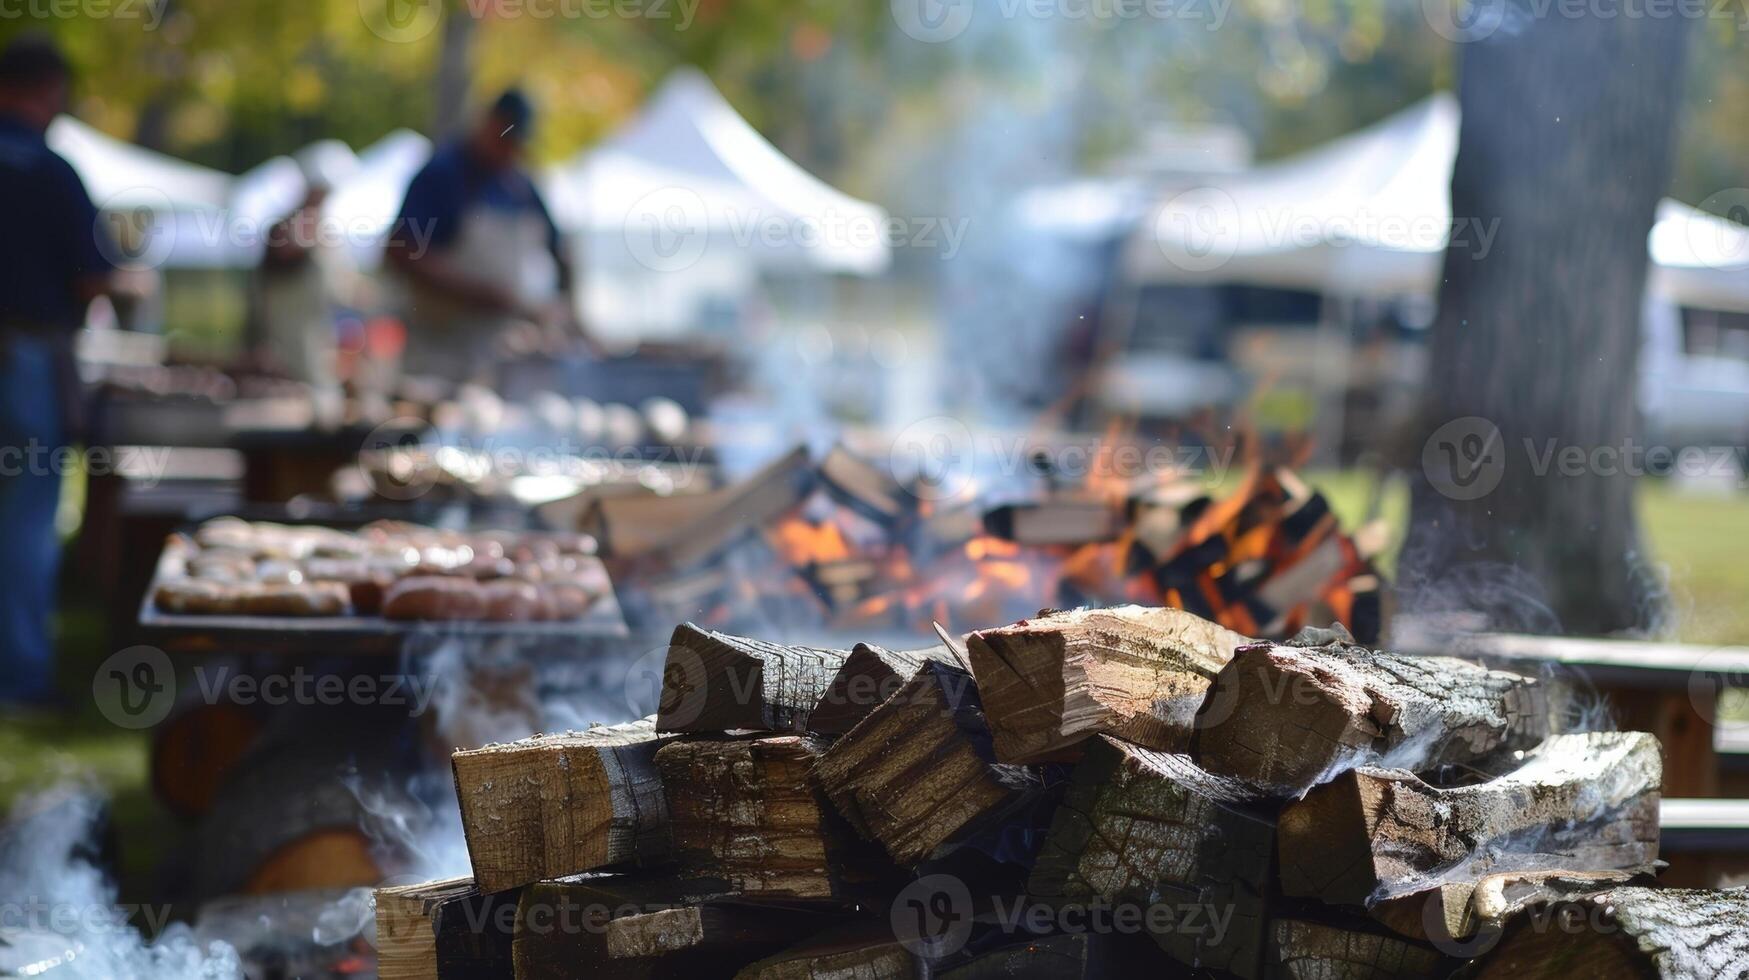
1564	151
455	72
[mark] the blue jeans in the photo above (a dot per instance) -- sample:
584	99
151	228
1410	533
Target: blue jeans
31	430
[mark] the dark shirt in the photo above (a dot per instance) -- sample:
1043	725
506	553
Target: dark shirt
449	184
51	237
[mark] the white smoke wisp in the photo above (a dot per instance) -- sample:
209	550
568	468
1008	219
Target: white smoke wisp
62	917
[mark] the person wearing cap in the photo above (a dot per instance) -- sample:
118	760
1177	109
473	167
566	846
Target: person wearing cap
477	250
55	258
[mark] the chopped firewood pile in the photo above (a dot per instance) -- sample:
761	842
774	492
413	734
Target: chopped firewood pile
1130	791
391	569
840	541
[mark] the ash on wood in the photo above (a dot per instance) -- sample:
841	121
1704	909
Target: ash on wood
869	676
1330	949
746	813
716	682
1671	934
1288	717
919	771
555	805
1582	801
1134	672
859	952
1152	828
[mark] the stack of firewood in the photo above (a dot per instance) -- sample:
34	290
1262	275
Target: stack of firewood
1104	792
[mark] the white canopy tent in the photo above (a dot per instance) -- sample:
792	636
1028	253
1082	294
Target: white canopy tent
363	205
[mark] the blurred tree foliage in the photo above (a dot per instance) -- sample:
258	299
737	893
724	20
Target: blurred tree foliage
835	84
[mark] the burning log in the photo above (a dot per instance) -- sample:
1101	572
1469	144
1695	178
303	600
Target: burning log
1287	717
715	682
1580	801
556	805
919	770
862	952
869	676
745	813
1133	672
1627	933
1148	827
1329	949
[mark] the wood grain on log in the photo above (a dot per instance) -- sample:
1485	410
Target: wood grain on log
746	812
1287	717
868	677
739	930
862	952
561	926
555	805
406	940
1457	911
1328	949
1134	672
1578	801
1627	934
1148	827
715	682
919	771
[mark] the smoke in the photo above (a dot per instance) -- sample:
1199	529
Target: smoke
62	917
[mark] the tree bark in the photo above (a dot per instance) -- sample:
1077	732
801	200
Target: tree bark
1627	934
1564	150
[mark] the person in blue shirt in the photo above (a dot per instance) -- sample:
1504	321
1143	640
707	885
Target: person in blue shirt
54	259
477	251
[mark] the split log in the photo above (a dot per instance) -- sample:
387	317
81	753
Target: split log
1133	672
860	952
714	682
561	926
869	676
1151	828
1582	801
445	928
406	940
865	488
556	805
1330	949
1471	912
1625	933
1289	717
746	814
739	931
919	771
1076	956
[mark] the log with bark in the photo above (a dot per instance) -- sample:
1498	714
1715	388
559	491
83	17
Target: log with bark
746	813
555	805
869	676
1627	934
1153	829
1469	913
716	682
1133	672
406	940
920	771
561	926
1326	947
1579	801
1288	717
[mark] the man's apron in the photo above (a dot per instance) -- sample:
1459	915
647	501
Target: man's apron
505	246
